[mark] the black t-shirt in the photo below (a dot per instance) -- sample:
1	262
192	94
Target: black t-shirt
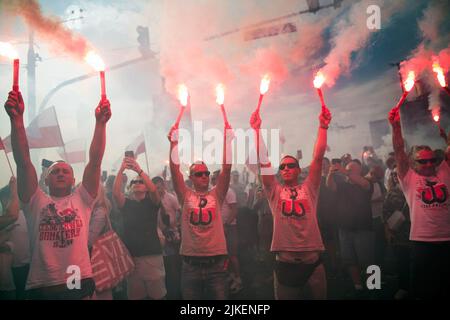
140	219
354	210
326	205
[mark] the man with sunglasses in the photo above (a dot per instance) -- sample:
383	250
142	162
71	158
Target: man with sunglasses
426	188
203	246
58	222
296	236
140	236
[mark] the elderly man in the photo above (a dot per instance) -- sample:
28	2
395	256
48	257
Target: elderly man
58	222
426	189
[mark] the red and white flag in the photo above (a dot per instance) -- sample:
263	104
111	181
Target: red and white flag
137	146
42	132
74	151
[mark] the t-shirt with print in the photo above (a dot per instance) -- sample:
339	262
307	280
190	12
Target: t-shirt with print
429	203
230	199
58	229
294	211
201	225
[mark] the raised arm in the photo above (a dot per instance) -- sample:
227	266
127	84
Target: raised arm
152	191
268	178
91	175
223	180
174	163
26	173
118	195
315	169
398	143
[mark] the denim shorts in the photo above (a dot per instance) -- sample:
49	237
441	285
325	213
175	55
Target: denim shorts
204	278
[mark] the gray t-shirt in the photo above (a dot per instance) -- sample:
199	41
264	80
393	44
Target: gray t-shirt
294	211
201	225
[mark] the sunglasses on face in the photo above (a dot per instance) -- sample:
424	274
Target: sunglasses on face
201	174
289	165
425	161
136	182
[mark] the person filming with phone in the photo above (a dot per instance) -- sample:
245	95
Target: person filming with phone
140	221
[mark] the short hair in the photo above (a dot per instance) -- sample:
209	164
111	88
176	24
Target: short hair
235	172
415	149
194	164
356	161
291	157
157	179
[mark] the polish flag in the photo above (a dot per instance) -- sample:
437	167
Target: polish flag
137	146
74	151
42	132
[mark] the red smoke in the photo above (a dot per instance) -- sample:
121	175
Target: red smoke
49	28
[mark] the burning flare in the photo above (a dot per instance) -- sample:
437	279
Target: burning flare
183	94
220	94
264	87
409	82
7	50
95	61
439	74
319	80
435	114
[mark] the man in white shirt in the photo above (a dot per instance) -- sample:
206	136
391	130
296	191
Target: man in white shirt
426	189
58	222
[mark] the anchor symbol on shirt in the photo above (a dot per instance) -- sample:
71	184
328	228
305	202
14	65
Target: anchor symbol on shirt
197	215
292	207
430	198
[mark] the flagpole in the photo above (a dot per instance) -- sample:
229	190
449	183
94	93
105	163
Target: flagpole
146	157
9	163
60	135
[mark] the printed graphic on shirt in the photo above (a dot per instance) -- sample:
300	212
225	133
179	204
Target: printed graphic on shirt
433	195
203	214
294	203
60	227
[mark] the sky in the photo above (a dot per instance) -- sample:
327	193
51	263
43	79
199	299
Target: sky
143	94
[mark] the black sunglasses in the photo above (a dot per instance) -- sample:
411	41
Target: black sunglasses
289	165
136	182
425	161
201	173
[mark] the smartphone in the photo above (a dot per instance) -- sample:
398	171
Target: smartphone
336	161
299	154
129	154
46	163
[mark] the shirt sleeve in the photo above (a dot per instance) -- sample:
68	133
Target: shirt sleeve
84	195
35	202
406	180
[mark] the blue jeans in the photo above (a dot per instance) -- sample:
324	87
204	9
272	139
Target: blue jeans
205	280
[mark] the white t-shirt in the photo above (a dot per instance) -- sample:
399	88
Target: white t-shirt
171	207
230	199
58	229
377	207
294	210
201	225
429	203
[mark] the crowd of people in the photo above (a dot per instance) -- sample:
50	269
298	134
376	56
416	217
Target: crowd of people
218	235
